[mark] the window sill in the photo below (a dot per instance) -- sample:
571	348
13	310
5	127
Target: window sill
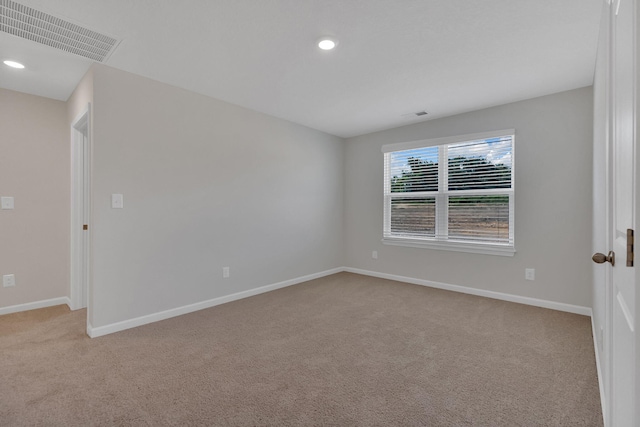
499	250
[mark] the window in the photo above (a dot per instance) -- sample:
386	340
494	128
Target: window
451	193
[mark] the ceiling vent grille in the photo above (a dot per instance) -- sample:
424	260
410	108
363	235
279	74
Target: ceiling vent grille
416	114
40	27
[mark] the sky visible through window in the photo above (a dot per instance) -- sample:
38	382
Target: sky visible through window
494	150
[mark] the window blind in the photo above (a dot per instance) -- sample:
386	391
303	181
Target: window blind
457	192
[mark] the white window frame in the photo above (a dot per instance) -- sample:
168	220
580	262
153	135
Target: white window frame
442	241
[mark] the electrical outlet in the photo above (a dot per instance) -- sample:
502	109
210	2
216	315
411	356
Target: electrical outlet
530	273
225	272
8	280
7	202
374	254
117	201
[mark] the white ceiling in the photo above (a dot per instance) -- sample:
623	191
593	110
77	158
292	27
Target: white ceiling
394	56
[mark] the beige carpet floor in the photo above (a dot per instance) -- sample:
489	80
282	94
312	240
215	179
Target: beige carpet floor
344	350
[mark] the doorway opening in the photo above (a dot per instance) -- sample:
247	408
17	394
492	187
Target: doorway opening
80	213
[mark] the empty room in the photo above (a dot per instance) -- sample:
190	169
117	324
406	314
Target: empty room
319	212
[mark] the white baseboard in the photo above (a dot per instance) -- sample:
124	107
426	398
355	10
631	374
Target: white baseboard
155	317
603	402
585	311
34	305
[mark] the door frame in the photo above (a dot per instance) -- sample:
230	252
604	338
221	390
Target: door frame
80	209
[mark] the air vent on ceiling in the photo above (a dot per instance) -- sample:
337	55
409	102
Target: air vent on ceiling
414	115
40	27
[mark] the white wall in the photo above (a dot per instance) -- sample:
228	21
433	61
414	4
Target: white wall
206	184
34	169
81	96
552	197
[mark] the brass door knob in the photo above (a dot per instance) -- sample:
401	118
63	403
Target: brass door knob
600	258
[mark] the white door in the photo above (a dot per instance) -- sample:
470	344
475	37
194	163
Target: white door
80	187
85	218
622	191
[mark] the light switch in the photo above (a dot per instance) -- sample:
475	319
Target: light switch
7	202
117	201
8	280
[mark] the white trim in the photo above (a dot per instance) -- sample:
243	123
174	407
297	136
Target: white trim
155	317
446	245
162	315
401	146
35	305
553	305
603	402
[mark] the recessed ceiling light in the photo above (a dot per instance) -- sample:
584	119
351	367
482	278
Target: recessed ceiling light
327	43
13	64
